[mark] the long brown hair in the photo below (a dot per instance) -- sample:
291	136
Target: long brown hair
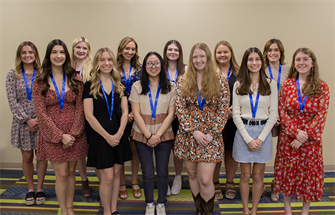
95	74
233	63
311	87
18	61
244	76
135	60
180	61
210	82
70	72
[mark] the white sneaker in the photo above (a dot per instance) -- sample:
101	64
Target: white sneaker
169	191
176	186
160	209
150	209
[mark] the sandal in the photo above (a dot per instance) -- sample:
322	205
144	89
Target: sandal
274	197
85	189
116	213
123	193
30	195
40	198
230	191
218	191
136	192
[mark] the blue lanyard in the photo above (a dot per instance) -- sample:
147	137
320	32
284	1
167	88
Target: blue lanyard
228	75
154	107
301	103
60	99
29	92
81	71
200	103
175	77
279	75
109	109
127	82
254	108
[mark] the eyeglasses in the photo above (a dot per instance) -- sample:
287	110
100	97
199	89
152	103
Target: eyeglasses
156	64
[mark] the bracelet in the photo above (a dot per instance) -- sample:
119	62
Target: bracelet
149	137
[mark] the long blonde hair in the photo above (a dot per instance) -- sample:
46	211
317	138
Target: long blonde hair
88	60
233	63
95	74
311	87
18	61
210	82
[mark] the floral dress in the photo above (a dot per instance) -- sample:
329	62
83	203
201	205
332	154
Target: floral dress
211	119
300	172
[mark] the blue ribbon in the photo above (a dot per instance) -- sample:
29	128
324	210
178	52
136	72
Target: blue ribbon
29	92
279	75
175	77
127	82
154	107
109	109
301	103
200	103
228	75
254	108
60	99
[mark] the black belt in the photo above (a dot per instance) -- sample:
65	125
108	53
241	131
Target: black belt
254	122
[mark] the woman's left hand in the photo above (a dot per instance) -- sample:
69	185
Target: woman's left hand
230	112
296	144
278	122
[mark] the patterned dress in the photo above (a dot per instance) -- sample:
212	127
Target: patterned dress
300	172
23	110
211	119
53	124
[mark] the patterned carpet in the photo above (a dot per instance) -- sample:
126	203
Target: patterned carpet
13	189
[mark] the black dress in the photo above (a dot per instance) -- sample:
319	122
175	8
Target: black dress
229	130
100	154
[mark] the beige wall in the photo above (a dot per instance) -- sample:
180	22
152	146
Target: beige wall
152	24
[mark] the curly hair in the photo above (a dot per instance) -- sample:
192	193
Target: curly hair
135	60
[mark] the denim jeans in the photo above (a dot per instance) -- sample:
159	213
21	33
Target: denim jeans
162	155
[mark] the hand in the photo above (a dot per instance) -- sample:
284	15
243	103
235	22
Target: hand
200	138
209	138
153	141
130	117
302	136
230	112
33	125
254	145
67	141
112	140
296	144
278	122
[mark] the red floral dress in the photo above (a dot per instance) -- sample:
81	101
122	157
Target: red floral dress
300	172
210	120
53	124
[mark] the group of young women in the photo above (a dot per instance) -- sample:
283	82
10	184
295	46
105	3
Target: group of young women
207	111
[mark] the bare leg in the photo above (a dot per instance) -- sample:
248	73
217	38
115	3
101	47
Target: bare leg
305	208
192	177
244	185
135	165
28	169
178	163
41	168
287	205
61	172
82	169
105	190
231	166
257	186
71	183
205	173
115	187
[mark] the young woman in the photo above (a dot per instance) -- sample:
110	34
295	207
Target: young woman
59	110
226	65
175	68
275	68
152	100
81	62
303	107
128	65
202	103
255	112
24	132
108	148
